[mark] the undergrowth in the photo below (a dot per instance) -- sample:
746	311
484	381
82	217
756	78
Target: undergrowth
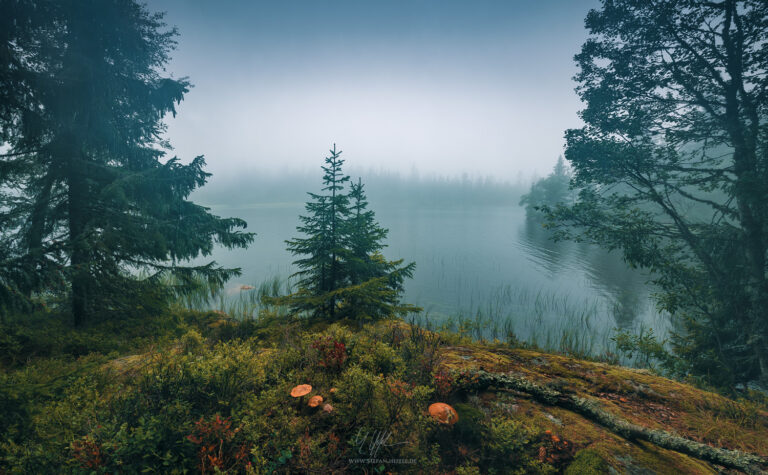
201	392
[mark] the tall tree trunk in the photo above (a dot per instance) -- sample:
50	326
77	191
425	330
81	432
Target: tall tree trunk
78	252
748	190
33	241
334	239
748	197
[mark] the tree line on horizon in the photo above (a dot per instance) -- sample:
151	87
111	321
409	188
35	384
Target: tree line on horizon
387	189
552	190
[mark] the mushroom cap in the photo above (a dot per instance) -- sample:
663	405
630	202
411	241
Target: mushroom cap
333	390
301	390
443	413
315	401
327	408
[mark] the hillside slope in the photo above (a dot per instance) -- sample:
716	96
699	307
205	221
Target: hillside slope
209	393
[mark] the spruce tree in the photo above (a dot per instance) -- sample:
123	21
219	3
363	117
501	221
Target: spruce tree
375	284
95	198
364	238
320	272
343	273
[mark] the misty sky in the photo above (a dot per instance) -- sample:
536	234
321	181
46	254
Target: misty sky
442	86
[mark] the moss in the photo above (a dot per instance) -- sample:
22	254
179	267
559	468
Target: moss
470	425
150	395
656	460
587	462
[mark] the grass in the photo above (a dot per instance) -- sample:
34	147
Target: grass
514	315
546	321
241	302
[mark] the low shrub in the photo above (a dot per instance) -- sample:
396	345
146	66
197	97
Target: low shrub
203	399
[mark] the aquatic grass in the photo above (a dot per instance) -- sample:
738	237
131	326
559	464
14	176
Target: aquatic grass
240	301
543	320
519	316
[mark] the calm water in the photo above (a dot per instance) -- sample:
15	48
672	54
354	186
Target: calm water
472	260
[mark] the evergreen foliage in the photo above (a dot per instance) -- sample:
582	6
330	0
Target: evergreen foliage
549	191
320	272
365	237
342	273
672	165
87	194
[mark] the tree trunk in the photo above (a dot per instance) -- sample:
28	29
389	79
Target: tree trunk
749	189
76	195
33	241
747	195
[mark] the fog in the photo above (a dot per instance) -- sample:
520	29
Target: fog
446	110
439	87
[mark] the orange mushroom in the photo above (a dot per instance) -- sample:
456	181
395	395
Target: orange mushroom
315	401
443	413
301	390
333	390
328	408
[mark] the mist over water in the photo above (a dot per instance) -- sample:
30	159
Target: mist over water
426	99
476	254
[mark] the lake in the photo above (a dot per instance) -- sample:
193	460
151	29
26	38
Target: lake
482	263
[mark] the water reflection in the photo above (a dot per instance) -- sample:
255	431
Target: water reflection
626	289
473	260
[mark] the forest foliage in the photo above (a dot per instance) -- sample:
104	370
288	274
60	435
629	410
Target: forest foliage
553	190
671	165
88	195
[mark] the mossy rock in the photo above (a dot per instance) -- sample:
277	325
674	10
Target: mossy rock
587	462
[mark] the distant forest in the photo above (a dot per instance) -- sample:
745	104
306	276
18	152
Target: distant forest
384	188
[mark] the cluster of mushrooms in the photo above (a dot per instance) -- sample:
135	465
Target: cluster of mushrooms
440	411
303	389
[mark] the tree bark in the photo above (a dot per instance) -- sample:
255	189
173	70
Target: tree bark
749	190
76	194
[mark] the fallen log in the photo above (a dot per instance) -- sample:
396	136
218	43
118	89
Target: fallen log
482	380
